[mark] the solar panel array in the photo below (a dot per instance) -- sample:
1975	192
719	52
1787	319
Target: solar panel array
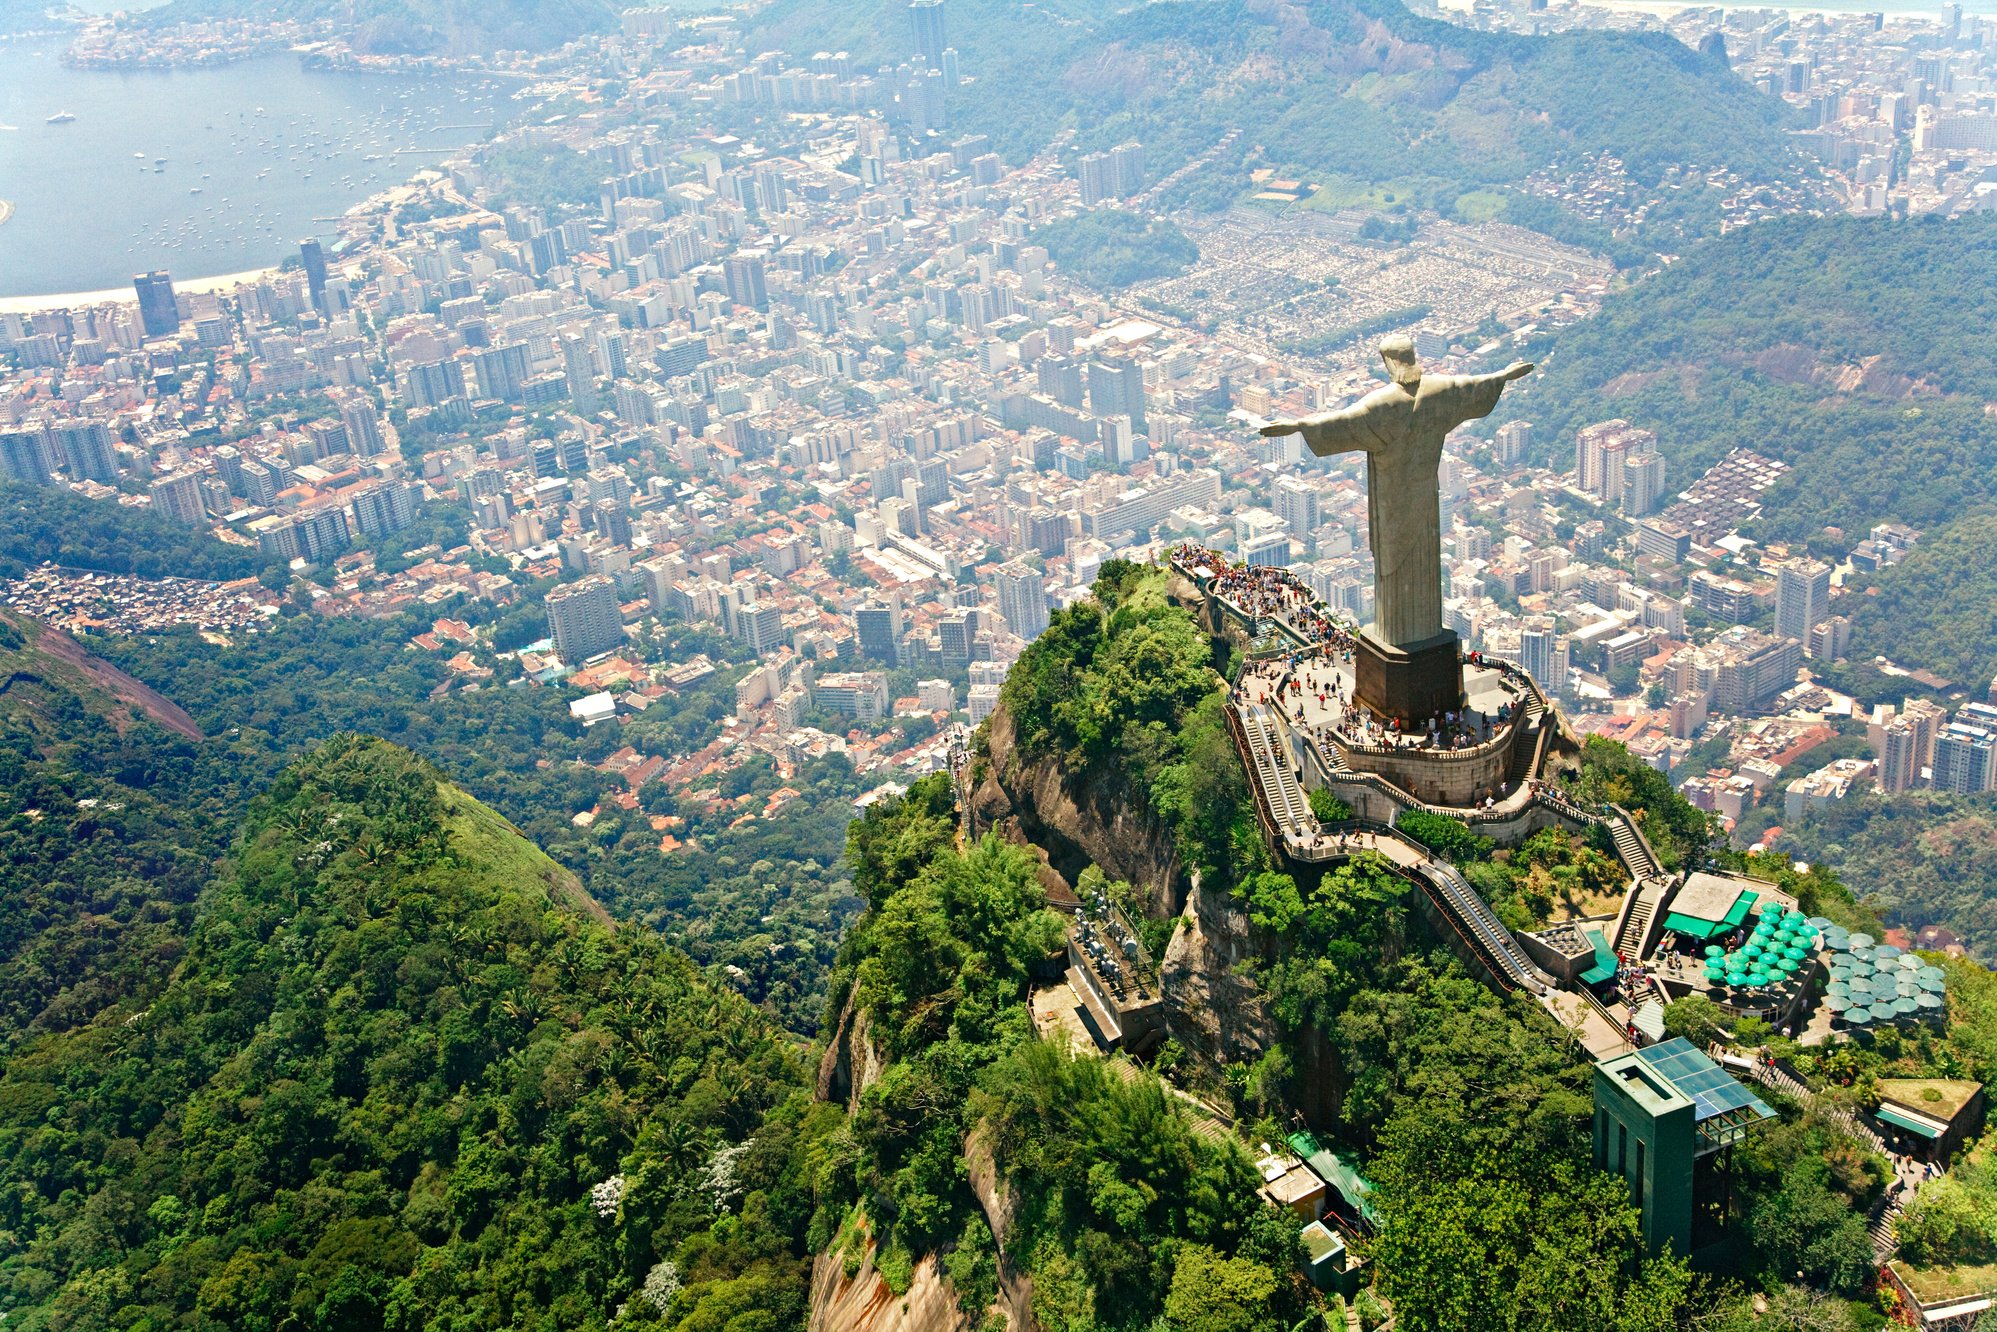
1712	1089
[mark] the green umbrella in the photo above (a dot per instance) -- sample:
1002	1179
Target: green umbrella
1818	922
1735	978
1837	1003
1752	950
1928	1002
1836	990
1714	950
1905	1007
1858	1015
1885	953
1930	973
1862	941
1786	964
1795	954
1757	977
1935	986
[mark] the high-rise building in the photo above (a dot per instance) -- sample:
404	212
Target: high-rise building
926	24
584	618
1126	163
364	435
760	624
24	456
743	275
1295	501
1965	759
87	451
858	694
1098	179
382	509
1022	599
502	371
1537	650
159	315
1514	438
957	633
879	630
580	373
180	498
1906	745
313	255
1643	483
1116	388
1802	597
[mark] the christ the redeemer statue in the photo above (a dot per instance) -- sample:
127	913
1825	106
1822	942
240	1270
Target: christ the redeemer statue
1400	429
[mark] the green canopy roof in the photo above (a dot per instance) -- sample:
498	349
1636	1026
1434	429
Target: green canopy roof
1907	1122
1707	929
1605	958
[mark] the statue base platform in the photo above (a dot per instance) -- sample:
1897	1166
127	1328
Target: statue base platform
1411	683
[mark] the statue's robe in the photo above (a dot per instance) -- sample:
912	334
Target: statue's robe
1401	434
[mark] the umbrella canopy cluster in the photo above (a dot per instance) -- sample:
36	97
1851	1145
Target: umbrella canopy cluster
1778	947
1873	984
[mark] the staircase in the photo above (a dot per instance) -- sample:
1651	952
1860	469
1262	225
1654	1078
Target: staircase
1287	805
1480	928
1525	752
1631	846
1634	926
1880	1226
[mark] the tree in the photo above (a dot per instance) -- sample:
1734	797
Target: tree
1215	1294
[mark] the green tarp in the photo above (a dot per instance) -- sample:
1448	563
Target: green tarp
1695	928
1347	1181
1605	960
1907	1122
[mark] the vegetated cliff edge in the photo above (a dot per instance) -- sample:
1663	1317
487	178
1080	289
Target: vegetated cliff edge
1106	821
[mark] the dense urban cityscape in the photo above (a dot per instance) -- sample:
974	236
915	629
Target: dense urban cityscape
757	702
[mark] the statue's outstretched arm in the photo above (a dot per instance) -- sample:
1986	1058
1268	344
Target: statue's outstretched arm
1327	433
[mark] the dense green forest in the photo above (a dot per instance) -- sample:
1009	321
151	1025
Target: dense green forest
1747	340
1938	607
1124	686
402	1078
1111	249
1929	857
39	524
547	178
767	897
1359	89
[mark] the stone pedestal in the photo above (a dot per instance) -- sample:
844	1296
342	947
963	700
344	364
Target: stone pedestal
1412	683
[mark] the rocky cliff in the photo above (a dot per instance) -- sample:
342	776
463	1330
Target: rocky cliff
862	1301
1072	823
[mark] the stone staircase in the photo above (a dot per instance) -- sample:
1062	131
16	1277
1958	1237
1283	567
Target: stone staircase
1525	753
1633	925
1631	846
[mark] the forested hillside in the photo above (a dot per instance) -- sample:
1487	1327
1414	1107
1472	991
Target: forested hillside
1863	352
52	524
402	1079
1357	89
1930	857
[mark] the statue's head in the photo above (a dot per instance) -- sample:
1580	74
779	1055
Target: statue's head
1399	354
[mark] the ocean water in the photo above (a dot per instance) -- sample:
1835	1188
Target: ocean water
258	155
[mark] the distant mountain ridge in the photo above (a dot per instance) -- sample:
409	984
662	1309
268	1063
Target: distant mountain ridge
1360	89
418	27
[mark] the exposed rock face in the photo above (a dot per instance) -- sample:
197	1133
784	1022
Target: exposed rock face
1015	1297
851	1063
1212	1009
1072	823
863	1302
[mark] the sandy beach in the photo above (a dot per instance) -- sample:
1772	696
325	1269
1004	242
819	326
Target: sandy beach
73	300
